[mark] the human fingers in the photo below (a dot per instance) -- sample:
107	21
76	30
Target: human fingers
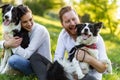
80	54
17	37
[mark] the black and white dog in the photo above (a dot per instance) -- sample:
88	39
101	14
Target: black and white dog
87	36
11	27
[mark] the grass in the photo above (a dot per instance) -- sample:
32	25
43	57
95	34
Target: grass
112	43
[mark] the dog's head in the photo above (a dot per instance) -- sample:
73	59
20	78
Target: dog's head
88	31
9	15
56	72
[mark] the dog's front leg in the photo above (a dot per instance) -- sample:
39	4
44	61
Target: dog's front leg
85	67
6	69
4	60
78	69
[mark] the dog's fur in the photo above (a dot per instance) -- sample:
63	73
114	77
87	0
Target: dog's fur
87	36
11	27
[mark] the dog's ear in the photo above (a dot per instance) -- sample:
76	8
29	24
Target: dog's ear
49	66
56	72
16	18
97	27
4	6
50	72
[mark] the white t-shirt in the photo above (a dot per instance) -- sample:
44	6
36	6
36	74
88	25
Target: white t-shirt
66	43
39	43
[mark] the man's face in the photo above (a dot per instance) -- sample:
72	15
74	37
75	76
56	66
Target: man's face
70	19
27	21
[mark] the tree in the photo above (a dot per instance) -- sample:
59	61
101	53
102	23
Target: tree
39	7
99	10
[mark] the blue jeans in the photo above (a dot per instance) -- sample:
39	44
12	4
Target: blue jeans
19	63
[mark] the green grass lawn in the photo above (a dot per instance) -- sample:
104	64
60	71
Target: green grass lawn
112	45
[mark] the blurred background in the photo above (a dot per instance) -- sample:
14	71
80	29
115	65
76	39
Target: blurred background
107	11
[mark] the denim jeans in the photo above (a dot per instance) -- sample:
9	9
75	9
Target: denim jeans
19	63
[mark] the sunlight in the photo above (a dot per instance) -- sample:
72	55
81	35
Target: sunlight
118	10
118	13
70	2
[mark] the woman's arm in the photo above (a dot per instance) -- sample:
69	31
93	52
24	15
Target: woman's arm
37	37
12	42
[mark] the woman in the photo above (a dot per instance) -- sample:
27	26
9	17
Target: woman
37	55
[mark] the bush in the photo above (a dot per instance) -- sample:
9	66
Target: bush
40	6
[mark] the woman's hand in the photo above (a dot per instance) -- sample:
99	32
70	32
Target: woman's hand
12	42
6	36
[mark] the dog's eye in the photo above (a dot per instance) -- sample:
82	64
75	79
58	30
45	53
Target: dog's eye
84	25
8	8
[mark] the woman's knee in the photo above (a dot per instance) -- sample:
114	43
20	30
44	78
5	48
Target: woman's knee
13	59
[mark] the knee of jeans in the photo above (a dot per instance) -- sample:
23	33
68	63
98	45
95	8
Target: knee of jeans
12	60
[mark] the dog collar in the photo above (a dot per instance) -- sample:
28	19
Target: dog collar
92	46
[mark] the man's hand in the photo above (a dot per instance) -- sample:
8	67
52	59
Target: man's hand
96	64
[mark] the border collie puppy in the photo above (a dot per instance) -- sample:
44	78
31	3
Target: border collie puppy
11	27
87	36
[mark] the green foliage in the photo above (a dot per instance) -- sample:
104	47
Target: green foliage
113	49
112	45
99	10
39	7
0	17
17	77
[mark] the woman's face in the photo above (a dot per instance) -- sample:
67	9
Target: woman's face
27	21
70	19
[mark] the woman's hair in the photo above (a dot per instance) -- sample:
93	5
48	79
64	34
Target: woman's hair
23	9
64	10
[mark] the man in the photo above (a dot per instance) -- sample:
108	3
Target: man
37	55
66	42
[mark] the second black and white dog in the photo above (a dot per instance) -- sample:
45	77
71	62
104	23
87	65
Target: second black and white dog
11	27
87	36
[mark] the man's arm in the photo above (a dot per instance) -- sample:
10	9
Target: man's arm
99	64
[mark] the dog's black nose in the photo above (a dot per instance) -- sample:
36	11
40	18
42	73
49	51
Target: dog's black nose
6	17
86	30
